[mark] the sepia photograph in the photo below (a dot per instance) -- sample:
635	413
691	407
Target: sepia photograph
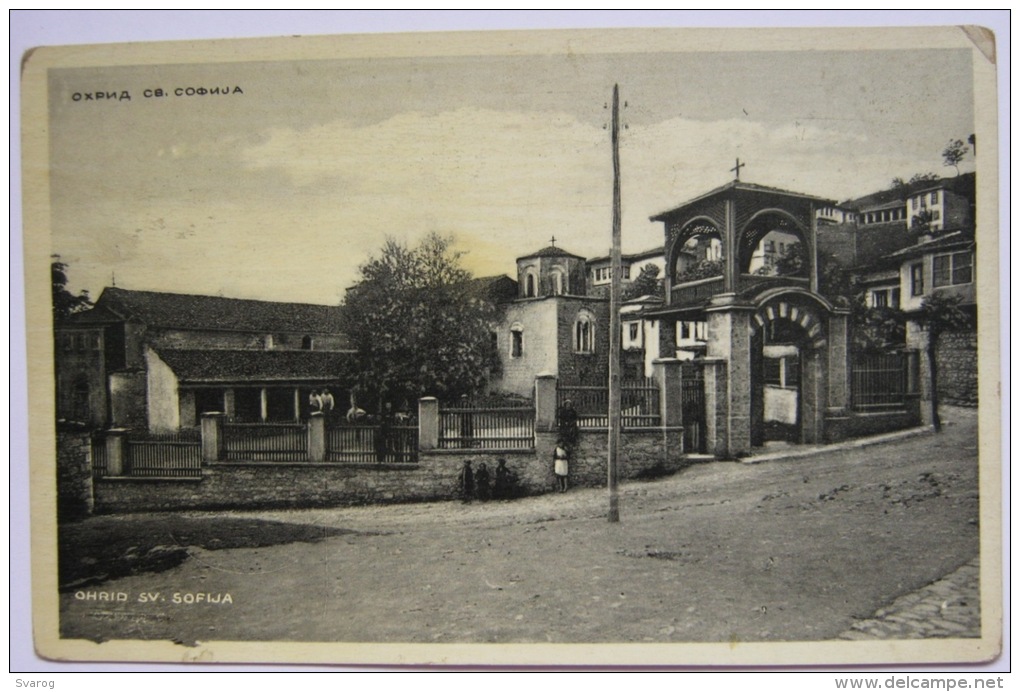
607	347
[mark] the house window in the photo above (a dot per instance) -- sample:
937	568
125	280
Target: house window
895	298
584	341
516	342
917	280
529	283
80	409
626	272
952	270
935	197
879	299
935	214
306	343
914	202
633	328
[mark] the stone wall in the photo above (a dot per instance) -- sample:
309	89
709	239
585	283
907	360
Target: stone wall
259	485
958	362
74	474
865	424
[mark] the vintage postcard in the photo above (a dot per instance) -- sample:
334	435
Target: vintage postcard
636	347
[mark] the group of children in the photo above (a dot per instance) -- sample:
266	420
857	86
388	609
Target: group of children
477	484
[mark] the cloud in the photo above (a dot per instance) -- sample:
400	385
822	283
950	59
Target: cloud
292	212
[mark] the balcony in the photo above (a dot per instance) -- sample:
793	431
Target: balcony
698	293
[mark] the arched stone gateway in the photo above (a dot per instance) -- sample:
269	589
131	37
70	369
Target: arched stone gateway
775	350
789	378
789	311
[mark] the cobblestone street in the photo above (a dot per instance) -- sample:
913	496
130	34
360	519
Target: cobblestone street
949	607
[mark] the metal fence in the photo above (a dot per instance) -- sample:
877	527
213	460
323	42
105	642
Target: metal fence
487	428
692	399
372	444
879	381
265	441
174	456
98	455
639	404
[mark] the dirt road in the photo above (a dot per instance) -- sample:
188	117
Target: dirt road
788	550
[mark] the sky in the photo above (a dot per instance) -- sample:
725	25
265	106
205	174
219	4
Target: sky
281	190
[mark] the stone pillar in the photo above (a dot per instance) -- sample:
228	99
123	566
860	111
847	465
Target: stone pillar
729	242
186	404
264	404
912	398
213	446
917	339
428	423
729	339
812	249
317	437
667	374
667	337
716	418
117	452
838	402
812	393
545	403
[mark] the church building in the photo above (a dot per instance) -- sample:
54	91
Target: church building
553	326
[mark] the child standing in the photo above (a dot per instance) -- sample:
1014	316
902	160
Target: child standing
561	466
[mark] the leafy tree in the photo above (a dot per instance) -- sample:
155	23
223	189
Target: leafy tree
920	224
953	154
65	303
705	269
793	261
646	284
919	178
876	330
419	325
940	313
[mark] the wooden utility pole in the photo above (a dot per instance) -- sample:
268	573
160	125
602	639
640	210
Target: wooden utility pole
615	423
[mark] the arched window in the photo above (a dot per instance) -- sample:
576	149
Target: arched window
306	343
584	334
529	286
516	340
559	282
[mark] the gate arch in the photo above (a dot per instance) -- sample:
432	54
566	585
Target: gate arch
788	330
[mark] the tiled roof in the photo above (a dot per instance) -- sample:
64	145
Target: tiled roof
194	366
962	185
498	289
740	186
551	251
949	241
198	312
630	257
